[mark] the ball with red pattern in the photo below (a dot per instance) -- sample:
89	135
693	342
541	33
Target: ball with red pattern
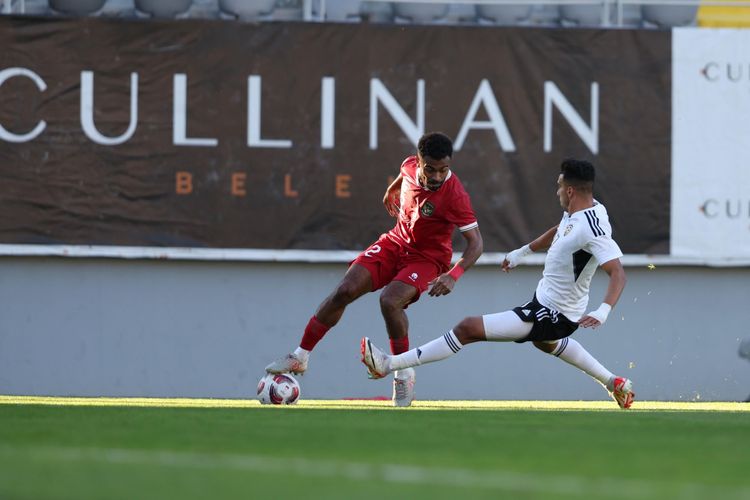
280	389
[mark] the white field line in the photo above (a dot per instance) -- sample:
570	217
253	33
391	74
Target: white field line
507	481
363	404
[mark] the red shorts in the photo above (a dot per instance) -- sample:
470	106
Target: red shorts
388	262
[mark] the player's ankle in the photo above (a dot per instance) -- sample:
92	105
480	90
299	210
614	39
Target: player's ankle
610	385
301	354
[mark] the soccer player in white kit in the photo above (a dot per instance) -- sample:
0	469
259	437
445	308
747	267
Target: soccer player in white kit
581	241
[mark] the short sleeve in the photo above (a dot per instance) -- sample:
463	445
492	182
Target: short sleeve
603	248
462	213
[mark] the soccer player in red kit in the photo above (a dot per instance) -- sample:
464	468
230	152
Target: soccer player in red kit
429	202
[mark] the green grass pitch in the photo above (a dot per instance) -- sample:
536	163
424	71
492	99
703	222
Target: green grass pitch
215	449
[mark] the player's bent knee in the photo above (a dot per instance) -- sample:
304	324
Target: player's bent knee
391	301
470	330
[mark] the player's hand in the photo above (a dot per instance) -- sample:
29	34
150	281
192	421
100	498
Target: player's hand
587	321
392	202
597	317
442	285
515	257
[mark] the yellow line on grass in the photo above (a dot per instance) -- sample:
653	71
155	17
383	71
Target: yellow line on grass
366	404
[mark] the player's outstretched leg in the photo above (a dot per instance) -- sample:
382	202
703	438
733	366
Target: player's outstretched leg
621	390
570	351
380	364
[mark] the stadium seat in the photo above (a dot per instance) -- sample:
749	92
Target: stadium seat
247	9
420	12
376	12
504	14
670	15
163	8
342	10
76	7
582	15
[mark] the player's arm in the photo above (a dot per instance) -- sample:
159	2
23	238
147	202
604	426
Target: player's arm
542	243
443	284
614	289
392	198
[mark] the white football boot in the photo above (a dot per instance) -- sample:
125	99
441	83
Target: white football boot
376	361
288	364
403	387
621	390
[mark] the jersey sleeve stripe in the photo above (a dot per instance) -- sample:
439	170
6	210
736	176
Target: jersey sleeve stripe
468	226
594	227
596	222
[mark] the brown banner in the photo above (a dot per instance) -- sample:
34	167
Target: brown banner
228	135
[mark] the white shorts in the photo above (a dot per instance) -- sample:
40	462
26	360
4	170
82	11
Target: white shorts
505	326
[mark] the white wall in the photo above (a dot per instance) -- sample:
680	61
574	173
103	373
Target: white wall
100	327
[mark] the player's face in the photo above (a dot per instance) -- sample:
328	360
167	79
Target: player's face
563	192
432	173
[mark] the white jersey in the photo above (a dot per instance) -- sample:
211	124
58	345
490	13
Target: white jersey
583	240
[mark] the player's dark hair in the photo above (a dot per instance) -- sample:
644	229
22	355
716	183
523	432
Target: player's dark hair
435	145
578	173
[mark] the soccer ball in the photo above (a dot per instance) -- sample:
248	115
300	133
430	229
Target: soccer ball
278	389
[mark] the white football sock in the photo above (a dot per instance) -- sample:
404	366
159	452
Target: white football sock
301	354
435	350
570	351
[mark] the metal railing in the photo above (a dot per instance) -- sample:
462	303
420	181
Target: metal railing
607	6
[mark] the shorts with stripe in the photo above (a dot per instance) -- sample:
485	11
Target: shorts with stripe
548	323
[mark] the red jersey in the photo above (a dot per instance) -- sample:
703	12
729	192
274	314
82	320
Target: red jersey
426	219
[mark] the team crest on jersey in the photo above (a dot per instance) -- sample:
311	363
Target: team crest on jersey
427	209
568	229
